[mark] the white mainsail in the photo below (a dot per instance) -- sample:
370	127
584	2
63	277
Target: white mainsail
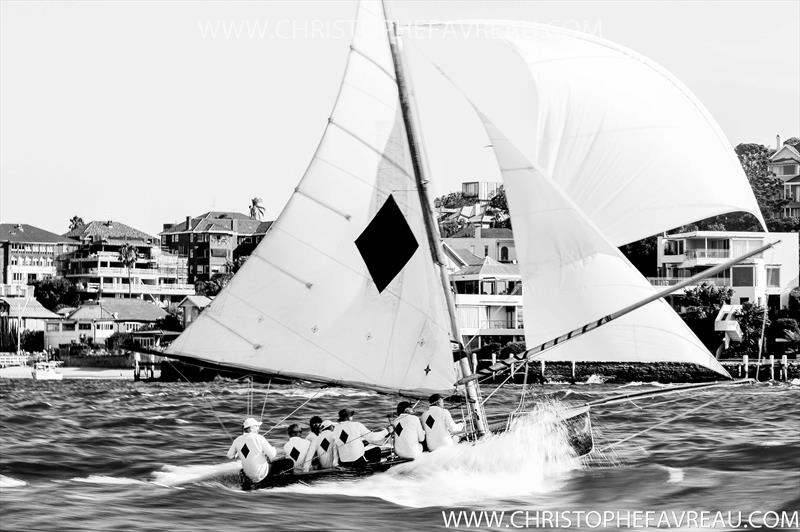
343	288
626	141
573	275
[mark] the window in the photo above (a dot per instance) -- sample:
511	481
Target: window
68	327
18	276
743	276
789	169
106	326
485	251
743	300
85	326
503	254
773	276
52	327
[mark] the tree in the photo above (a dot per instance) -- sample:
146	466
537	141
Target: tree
76	222
128	255
219	280
498	200
794	142
256	209
752	320
700	308
643	254
454	200
56	293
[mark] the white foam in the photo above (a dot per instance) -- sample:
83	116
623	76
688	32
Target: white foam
100	479
676	474
8	482
175	475
596	379
533	457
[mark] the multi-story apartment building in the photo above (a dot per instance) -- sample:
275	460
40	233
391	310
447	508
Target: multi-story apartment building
211	241
785	163
482	190
96	268
497	243
766	277
29	254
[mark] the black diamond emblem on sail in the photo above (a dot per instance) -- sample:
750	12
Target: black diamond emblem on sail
325	444
430	421
387	244
343	436
295	454
398	429
245	450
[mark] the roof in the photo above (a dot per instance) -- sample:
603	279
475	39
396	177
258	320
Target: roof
221	221
118	309
486	232
464	256
29	233
793	153
490	268
27	307
795	179
110	230
197	301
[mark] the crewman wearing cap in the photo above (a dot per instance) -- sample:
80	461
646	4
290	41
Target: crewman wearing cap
253	451
314	426
439	425
349	436
408	433
322	448
297	447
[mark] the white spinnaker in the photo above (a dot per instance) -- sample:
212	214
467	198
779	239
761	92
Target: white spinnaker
573	275
621	136
304	304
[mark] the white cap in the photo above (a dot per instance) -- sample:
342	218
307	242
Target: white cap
250	422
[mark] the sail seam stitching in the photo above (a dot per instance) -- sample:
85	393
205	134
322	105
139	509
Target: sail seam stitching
323	204
374	62
299	280
371	147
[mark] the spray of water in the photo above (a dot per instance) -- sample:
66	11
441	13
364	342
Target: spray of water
532	457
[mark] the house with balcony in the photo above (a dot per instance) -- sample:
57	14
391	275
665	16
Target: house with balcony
19	308
766	278
29	254
212	241
785	164
488	298
95	266
95	321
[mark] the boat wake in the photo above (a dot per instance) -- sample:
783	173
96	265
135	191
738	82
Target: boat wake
532	457
177	475
8	482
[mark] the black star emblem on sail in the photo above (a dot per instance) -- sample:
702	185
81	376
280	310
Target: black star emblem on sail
427	369
245	450
386	244
398	429
295	454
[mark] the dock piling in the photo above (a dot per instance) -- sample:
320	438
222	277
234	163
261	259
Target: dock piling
772	367
746	364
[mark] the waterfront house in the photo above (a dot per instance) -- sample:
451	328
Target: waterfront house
191	307
497	243
785	164
19	308
212	241
95	321
29	254
95	266
767	277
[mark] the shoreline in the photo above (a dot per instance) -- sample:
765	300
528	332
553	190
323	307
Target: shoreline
24	372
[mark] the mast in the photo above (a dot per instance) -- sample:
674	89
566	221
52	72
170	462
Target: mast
408	108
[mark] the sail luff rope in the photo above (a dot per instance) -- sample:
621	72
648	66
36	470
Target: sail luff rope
292	412
670	420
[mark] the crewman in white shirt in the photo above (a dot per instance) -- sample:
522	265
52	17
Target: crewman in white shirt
439	425
296	448
322	448
314	426
253	451
349	436
408	433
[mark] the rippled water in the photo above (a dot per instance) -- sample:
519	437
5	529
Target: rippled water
115	455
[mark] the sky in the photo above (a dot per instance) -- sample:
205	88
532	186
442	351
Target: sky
146	112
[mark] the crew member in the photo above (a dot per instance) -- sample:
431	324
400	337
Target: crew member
322	449
349	437
439	425
408	433
253	451
314	425
296	448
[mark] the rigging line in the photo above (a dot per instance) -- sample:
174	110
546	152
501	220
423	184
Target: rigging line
286	273
202	396
290	414
374	62
266	394
322	203
496	389
607	447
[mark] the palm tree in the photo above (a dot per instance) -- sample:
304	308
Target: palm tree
128	255
256	209
76	222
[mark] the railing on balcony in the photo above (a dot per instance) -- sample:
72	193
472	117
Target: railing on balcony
500	324
670	281
708	253
173	288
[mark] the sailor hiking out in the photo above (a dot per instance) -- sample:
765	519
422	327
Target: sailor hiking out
439	425
254	452
349	437
408	433
322	449
296	448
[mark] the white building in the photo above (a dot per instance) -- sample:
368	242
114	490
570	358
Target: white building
785	164
766	277
497	243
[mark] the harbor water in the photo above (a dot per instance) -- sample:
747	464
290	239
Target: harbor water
117	455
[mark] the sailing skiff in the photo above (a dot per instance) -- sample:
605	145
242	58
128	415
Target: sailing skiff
349	288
